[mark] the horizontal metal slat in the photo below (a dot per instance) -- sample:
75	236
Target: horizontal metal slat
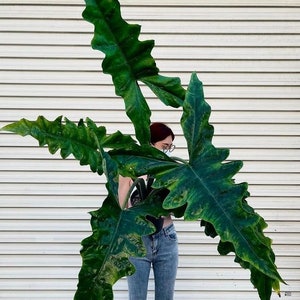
73	249
155	12
175	65
93	78
85	177
169	116
182	53
155	26
72	165
73	213
175	2
196	237
97	90
81	225
61	261
235	154
162	39
115	103
120	293
53	189
90	202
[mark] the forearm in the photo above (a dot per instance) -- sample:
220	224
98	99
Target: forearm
124	186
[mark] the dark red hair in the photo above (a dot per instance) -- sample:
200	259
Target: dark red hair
160	131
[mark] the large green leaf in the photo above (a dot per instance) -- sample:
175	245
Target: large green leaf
207	188
212	195
261	281
116	237
82	140
128	60
167	89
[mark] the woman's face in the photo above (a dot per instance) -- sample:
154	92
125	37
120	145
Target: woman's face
164	145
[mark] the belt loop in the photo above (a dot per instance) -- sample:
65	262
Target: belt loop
165	229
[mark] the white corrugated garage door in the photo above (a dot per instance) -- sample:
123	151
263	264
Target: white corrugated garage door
247	55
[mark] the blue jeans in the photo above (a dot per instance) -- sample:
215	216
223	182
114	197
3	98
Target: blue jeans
162	254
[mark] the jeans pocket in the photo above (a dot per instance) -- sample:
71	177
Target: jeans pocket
172	236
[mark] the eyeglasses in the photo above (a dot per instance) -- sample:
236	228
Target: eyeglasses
167	148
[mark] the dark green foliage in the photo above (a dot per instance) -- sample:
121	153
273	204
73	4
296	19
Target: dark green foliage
128	61
82	141
201	188
116	236
206	187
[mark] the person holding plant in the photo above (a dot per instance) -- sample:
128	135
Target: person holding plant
161	246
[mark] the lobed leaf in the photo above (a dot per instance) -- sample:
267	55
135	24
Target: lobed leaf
207	189
116	237
206	185
82	141
128	60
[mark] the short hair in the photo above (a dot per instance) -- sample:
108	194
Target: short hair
160	131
